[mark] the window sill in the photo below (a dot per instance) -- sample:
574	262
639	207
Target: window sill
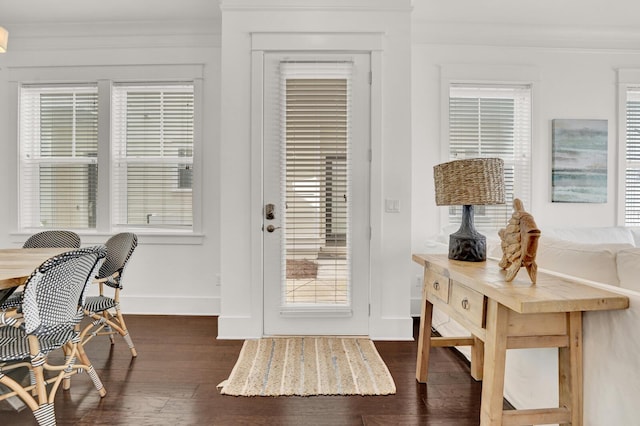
313	311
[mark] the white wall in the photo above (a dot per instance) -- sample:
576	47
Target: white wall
576	78
572	80
176	278
241	314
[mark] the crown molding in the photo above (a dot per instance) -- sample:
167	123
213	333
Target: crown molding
513	35
110	35
316	5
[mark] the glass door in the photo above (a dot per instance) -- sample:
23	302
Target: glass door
316	191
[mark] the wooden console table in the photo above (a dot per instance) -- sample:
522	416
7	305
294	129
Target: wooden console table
504	315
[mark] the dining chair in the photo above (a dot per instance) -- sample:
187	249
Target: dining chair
105	310
53	238
52	308
49	238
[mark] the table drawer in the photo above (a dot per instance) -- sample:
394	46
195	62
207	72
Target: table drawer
469	303
437	285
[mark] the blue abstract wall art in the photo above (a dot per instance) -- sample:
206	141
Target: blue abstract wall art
579	166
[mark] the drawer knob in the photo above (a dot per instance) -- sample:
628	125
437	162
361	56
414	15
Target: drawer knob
436	285
465	303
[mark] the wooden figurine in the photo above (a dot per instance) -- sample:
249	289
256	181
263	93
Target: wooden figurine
519	243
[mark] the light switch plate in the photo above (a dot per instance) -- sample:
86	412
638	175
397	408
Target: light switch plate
392	206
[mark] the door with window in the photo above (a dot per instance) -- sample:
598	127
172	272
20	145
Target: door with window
316	194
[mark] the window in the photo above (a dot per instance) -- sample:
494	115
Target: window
316	119
632	158
493	121
58	156
149	156
152	155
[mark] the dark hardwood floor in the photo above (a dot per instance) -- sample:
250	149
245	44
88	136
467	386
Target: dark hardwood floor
173	382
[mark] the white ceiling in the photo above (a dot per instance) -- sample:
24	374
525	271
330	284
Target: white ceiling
573	13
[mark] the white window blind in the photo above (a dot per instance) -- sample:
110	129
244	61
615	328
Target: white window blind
493	121
632	157
152	155
58	133
315	179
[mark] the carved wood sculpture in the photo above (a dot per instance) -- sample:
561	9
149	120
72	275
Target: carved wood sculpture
519	243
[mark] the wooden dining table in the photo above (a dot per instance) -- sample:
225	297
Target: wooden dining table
16	264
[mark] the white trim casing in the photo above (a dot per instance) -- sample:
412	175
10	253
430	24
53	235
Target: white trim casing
379	27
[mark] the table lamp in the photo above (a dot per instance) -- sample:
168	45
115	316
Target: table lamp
469	182
4	37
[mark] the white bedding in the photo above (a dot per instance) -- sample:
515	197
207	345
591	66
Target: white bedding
612	364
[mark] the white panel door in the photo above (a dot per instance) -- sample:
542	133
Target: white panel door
316	193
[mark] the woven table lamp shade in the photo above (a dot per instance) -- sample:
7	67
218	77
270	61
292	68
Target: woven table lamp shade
476	181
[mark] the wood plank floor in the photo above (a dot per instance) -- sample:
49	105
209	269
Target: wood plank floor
173	382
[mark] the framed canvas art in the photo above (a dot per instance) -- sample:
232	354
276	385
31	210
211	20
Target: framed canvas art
579	163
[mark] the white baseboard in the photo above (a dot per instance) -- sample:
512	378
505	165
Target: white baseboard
391	328
165	305
239	327
416	306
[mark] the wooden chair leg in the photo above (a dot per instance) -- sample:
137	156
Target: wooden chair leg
107	326
20	391
45	415
37	362
42	408
66	382
125	333
84	359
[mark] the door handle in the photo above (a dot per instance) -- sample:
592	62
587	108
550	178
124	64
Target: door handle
271	228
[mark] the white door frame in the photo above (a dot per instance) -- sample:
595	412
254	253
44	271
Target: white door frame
371	43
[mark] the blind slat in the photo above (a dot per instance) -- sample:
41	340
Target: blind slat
153	155
493	121
632	174
58	152
315	106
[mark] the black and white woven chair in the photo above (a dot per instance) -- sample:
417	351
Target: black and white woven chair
105	311
53	238
52	309
50	238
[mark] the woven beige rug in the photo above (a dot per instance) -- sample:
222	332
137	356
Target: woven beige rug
308	366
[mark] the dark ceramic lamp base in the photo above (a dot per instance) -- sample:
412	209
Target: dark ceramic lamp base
466	243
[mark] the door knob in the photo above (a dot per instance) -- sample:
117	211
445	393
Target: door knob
271	228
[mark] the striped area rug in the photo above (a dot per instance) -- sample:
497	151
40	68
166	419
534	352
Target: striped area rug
308	366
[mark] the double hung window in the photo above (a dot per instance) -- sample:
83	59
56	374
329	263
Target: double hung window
492	121
58	156
152	155
632	157
146	167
